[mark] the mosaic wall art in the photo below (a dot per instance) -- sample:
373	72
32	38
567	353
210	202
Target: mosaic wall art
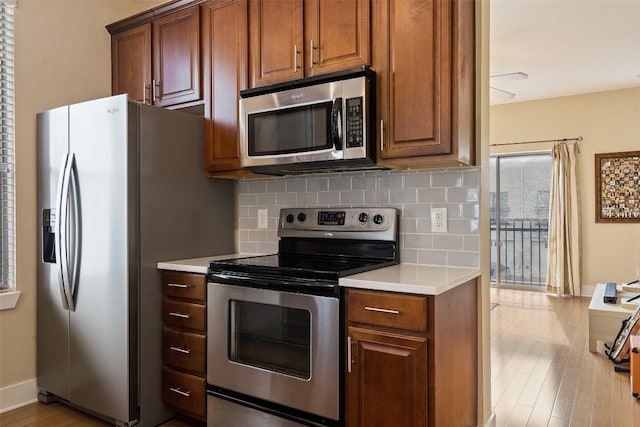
618	187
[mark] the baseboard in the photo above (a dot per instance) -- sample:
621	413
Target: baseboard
587	290
17	395
491	421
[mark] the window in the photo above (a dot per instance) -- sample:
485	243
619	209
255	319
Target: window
519	207
7	205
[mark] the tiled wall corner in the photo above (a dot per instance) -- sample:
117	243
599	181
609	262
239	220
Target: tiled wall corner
413	193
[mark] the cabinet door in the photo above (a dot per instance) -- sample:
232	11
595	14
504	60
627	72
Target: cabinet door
131	63
336	35
387	382
424	59
276	41
176	58
224	42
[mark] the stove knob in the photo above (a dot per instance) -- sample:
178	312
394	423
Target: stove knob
363	217
290	218
302	216
378	219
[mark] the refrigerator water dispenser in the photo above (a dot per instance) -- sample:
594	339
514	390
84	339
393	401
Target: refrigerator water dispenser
48	235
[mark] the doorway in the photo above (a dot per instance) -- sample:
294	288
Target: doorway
519	219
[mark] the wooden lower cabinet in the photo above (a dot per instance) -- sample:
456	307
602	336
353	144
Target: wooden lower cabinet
411	359
387	382
185	392
184	343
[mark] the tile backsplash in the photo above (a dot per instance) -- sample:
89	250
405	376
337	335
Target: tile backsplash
413	193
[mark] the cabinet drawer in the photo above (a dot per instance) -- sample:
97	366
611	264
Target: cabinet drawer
184	285
184	350
185	392
184	315
388	309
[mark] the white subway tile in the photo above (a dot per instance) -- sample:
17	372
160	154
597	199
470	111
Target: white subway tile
435	257
352	198
432	195
447	178
448	241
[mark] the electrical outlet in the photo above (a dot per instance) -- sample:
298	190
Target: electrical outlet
438	220
263	218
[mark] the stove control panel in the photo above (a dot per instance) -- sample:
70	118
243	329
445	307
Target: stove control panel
379	223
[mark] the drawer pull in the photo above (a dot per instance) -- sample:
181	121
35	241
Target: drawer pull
382	310
180	392
177	285
181	350
181	315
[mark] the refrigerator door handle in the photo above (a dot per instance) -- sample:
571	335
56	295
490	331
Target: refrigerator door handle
61	230
74	248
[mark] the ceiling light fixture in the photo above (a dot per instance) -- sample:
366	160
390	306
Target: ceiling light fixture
502	94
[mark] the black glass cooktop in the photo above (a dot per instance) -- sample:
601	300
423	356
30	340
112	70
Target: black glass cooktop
307	274
295	265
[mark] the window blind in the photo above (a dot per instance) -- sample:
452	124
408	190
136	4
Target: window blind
7	199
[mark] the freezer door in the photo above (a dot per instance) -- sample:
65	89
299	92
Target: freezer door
101	349
52	318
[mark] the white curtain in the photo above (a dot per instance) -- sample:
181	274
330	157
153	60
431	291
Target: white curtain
563	270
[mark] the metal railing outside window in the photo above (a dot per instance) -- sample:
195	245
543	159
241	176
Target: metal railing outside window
523	250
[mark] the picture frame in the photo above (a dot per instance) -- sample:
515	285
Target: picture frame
618	187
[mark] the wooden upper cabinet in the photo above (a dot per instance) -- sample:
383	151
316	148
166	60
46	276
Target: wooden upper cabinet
275	41
131	62
291	39
424	59
225	63
156	58
176	58
336	35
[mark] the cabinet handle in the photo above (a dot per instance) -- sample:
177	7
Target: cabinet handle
295	58
181	350
382	310
177	285
349	354
311	54
180	392
144	93
155	96
157	93
381	135
181	315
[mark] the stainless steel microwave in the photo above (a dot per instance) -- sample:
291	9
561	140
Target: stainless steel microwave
317	124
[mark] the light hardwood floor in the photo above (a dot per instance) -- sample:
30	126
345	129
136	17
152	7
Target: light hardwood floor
58	415
542	373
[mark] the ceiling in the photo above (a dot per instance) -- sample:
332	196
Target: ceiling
566	47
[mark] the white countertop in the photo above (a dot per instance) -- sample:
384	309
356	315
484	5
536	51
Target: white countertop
408	278
412	278
194	265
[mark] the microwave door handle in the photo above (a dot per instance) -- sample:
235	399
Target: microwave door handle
336	124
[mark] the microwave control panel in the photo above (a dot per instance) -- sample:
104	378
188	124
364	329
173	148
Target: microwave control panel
354	122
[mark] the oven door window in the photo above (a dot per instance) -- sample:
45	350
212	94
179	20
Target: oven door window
271	337
290	130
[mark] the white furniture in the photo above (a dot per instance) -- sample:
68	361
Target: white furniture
605	319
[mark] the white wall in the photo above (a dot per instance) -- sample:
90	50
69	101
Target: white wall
608	122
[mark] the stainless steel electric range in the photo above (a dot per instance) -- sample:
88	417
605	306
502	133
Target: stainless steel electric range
275	322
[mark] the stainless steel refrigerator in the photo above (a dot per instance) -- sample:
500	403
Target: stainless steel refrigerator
121	186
